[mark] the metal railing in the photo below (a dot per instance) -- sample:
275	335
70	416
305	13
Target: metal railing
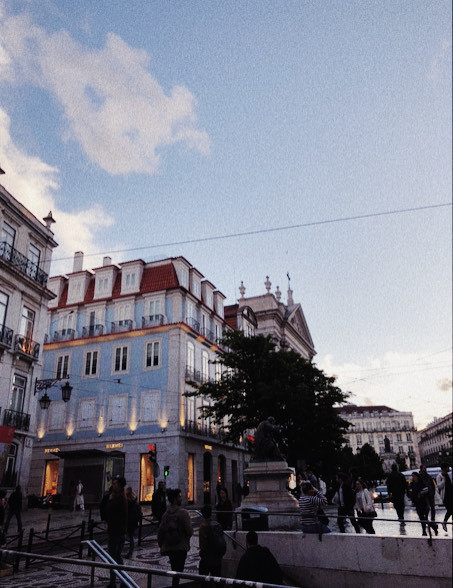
27	346
6	336
64	335
92	331
153	320
18	420
121	326
22	263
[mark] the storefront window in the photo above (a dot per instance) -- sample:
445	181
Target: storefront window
191	478
146	479
51	477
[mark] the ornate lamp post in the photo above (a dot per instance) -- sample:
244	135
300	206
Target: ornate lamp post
45	401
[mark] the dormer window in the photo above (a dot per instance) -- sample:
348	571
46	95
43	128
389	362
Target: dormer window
184	278
131	275
102	287
130	280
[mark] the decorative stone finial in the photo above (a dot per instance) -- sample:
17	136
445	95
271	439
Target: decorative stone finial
242	289
268	284
290	297
49	220
278	294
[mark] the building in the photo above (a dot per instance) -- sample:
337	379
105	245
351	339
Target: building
435	441
266	314
25	253
371	424
130	338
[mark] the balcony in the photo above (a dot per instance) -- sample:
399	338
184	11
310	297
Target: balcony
193	375
25	346
93	331
18	420
193	323
153	320
6	337
202	429
207	333
22	263
121	326
64	335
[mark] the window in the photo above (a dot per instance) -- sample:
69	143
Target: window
3	307
154	308
27	322
190	312
123	313
150	407
359	440
102	287
56	416
8	234
204	366
190	358
218	332
184	278
18	393
117	410
34	255
196	288
130	280
87	413
410	449
370	439
120	359
91	363
62	367
408	437
209	298
152	354
67	322
398	437
400	449
218	372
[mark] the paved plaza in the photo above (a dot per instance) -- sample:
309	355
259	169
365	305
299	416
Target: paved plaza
58	575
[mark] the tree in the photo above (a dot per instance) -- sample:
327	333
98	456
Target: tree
368	464
259	381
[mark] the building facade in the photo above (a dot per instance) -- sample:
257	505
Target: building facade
130	338
435	442
25	253
266	314
372	424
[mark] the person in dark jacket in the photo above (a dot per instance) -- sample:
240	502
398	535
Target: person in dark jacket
210	559
224	510
159	502
114	511
258	564
419	496
397	486
134	516
14	509
345	499
429	483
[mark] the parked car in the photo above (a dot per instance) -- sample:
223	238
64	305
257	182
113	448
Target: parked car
380	494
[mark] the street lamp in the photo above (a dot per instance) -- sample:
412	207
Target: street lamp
45	401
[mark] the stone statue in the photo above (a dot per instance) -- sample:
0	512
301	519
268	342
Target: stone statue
387	444
266	446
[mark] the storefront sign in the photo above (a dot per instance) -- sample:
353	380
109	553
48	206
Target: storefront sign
114	445
52	450
208	447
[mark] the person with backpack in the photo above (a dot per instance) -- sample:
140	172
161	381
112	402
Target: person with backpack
175	531
212	544
134	516
258	564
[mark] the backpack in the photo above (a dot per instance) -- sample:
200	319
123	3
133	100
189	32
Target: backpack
217	538
171	528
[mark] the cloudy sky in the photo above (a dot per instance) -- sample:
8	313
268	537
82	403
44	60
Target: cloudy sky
254	138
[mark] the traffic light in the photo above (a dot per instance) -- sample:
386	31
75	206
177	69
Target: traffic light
166	471
250	442
152	453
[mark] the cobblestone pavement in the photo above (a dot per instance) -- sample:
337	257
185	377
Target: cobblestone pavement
56	575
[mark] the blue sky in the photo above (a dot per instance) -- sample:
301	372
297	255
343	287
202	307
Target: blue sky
144	124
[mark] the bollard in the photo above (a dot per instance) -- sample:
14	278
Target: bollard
90	529
30	543
19	548
82	537
48	527
140	524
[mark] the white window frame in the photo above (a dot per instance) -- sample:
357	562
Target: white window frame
190	357
128	358
150	406
124	311
152	343
117	403
204	366
57	415
62	366
155	307
87	413
85	359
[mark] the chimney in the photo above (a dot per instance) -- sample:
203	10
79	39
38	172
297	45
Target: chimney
78	261
107	261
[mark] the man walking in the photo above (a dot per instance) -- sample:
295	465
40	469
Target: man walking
444	486
175	531
429	483
14	509
114	512
397	487
159	502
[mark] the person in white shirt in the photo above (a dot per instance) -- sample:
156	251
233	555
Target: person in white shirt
364	506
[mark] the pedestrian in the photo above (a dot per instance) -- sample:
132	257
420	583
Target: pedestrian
134	516
224	510
258	564
429	483
175	531
364	506
444	486
79	503
212	544
310	502
3	503
72	492
114	512
310	477
397	487
14	509
159	502
345	500
419	496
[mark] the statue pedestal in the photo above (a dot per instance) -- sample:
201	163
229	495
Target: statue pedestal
268	482
388	458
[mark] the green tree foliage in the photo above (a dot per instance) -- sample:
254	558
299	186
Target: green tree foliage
259	381
367	463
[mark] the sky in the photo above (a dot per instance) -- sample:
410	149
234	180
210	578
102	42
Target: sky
255	138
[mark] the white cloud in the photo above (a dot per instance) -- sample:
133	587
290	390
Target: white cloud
114	108
406	382
34	183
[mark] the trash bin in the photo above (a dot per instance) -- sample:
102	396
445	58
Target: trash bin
255	518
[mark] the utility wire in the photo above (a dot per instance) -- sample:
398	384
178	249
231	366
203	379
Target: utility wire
267	230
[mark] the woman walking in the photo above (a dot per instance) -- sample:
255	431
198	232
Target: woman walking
364	506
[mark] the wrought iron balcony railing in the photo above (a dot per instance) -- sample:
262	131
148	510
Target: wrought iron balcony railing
6	336
153	320
121	326
18	420
93	331
207	333
193	323
27	346
202	429
64	335
22	263
193	375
